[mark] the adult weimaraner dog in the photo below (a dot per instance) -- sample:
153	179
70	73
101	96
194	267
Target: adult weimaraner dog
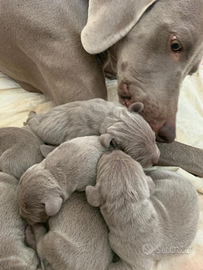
56	47
63	48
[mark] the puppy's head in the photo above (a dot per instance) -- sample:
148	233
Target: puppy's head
134	136
39	195
119	179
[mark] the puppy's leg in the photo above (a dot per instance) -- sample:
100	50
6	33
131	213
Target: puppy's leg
39	234
51	251
30	237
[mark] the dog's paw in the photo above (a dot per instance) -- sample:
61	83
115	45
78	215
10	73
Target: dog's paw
29	237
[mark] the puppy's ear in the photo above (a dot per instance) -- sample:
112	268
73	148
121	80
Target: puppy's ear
33	123
136	107
109	21
52	205
31	114
46	149
107	140
93	195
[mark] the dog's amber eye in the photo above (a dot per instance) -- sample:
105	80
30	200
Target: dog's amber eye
175	44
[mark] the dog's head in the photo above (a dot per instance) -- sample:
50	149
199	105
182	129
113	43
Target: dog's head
134	136
39	195
120	179
155	45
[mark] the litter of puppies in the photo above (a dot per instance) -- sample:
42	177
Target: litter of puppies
101	148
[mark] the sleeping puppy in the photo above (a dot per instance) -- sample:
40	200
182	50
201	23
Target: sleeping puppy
77	238
95	117
70	167
14	254
145	218
19	150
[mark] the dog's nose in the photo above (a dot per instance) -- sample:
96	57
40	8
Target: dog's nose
167	133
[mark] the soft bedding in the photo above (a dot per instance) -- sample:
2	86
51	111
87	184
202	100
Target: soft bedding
16	103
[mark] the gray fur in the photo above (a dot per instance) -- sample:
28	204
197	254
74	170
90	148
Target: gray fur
136	41
19	150
77	238
139	211
14	254
94	117
44	187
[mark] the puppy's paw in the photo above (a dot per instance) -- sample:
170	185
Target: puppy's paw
29	237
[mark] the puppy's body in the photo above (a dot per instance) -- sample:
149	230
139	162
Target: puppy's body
139	222
95	117
19	150
14	254
75	119
77	238
70	167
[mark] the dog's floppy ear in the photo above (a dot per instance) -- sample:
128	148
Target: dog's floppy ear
46	149
93	195
136	107
109	21
52	204
107	140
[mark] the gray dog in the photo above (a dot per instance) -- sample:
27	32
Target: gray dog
77	238
145	218
41	47
14	254
70	167
126	127
19	150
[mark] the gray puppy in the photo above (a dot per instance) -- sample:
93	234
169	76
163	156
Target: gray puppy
19	150
144	219
70	167
14	254
77	238
95	117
